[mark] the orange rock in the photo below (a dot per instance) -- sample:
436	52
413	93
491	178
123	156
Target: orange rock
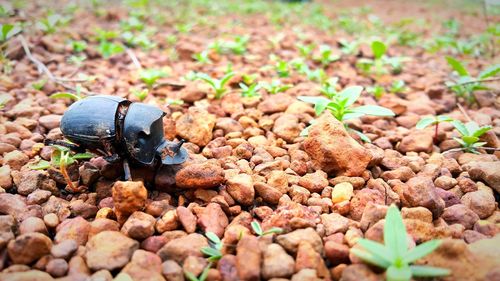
128	197
333	150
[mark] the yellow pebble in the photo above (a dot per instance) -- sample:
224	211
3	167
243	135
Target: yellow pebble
342	192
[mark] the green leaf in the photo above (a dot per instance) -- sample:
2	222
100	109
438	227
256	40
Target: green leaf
457	66
378	49
226	78
83	155
481	131
256	228
213	237
460	141
65	95
351	94
490	71
369	258
204	274
40	165
472	127
395	232
320	103
374	110
479	144
272	230
421	250
211	252
362	136
190	276
424	122
470	139
444	118
460	127
394	273
377	250
351	115
428	271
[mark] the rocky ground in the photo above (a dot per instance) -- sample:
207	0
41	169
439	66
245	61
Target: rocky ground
247	160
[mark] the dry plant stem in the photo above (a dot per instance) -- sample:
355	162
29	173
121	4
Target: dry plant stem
134	58
462	109
464	148
64	172
476	81
436	131
43	68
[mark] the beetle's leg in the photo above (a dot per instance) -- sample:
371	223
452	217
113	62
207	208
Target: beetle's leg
126	170
112	158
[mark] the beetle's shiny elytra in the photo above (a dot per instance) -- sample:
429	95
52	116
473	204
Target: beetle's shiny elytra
116	126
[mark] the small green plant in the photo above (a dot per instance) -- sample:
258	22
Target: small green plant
249	79
378	65
317	75
217	46
341	107
141	94
8	30
174	102
76	59
326	55
258	230
78	46
250	91
238	46
67	95
329	87
433	120
108	49
394	254
203	275
132	23
377	91
282	68
138	39
49	24
465	85
305	51
151	75
215	246
38	85
61	158
470	133
349	48
202	57
276	87
219	85
398	86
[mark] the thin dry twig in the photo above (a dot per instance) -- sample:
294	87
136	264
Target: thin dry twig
462	109
475	81
464	148
134	58
43	68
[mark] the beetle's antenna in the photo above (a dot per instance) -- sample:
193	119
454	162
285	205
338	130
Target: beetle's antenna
126	170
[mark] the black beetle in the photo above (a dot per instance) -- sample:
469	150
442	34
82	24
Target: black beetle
120	129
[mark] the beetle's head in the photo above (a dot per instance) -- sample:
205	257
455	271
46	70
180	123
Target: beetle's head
144	138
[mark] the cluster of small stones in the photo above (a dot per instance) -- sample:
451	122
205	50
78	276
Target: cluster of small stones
325	191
